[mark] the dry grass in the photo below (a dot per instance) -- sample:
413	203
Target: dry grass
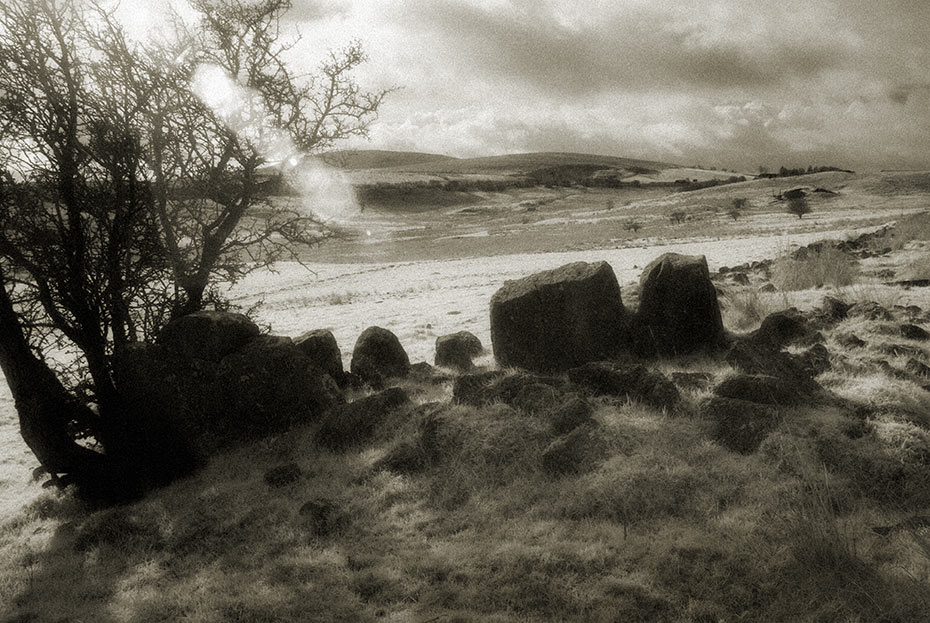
826	267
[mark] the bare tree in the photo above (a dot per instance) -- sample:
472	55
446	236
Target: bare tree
736	207
127	196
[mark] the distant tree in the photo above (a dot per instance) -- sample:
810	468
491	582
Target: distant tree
632	225
799	206
736	207
678	217
610	205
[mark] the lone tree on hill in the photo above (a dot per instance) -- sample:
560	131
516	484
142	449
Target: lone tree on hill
737	206
799	206
124	196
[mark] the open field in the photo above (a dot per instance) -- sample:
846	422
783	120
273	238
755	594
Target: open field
668	525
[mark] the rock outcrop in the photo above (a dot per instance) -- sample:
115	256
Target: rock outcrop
558	319
378	355
678	311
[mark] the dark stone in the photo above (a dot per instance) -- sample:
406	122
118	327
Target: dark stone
748	357
471	389
850	340
270	386
283	475
816	359
869	310
576	452
834	309
355	422
918	368
913	332
321	348
572	412
768	288
378	355
760	389
457	350
323	517
208	335
404	458
781	329
678	312
739	425
557	319
739	278
626	380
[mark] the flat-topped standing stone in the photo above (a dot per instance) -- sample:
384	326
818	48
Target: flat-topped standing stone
559	319
678	311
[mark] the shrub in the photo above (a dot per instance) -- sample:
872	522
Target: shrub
826	266
798	206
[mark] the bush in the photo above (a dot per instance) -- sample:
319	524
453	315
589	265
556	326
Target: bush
826	266
798	206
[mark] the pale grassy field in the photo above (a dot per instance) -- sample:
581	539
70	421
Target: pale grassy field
669	527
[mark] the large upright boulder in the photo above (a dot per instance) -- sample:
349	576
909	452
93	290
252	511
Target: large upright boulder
378	354
321	347
558	319
207	335
678	311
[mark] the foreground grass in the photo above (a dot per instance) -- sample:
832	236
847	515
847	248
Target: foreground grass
665	526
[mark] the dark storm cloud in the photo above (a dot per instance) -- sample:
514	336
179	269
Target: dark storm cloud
634	50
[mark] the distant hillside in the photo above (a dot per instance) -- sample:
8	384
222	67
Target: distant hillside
353	159
524	163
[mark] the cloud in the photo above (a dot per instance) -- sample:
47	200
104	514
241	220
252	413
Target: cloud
729	81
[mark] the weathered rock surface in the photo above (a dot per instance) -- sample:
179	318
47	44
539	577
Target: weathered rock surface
739	425
377	355
783	328
750	358
353	423
558	319
266	385
208	335
759	388
913	332
678	311
457	350
626	380
321	348
578	451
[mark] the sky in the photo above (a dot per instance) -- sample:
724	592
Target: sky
734	84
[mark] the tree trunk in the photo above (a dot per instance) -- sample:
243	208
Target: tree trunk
44	406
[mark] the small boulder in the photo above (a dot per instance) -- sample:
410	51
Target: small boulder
457	350
918	368
816	359
378	355
557	319
850	340
208	335
834	309
739	425
626	380
578	451
913	332
748	357
759	388
869	310
573	411
678	311
355	422
781	329
321	348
